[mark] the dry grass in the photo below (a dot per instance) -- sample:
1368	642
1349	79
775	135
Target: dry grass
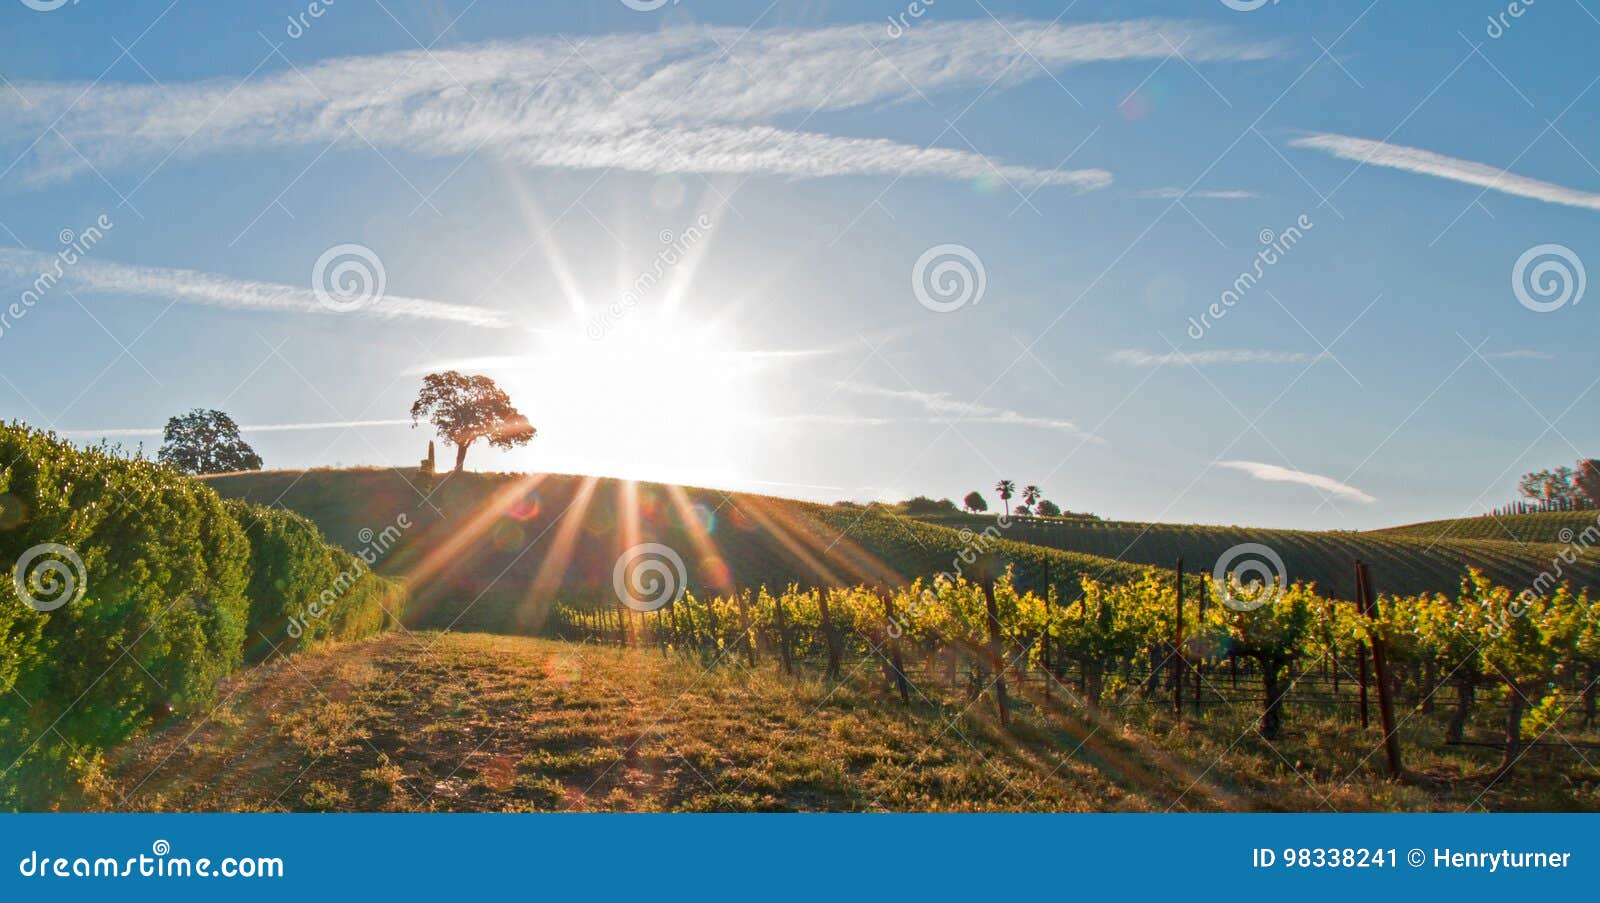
477	722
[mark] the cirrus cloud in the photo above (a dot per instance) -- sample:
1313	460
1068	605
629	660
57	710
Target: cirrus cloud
1272	473
1428	163
692	99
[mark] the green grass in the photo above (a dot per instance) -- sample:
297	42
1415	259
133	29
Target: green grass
1403	560
475	722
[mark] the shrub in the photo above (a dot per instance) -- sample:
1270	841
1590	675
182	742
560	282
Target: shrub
303	589
161	616
172	581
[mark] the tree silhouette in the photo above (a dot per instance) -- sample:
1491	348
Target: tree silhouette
206	441
1048	508
465	409
975	503
1006	488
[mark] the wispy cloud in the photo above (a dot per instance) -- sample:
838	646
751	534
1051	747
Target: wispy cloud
944	408
573	345
1172	193
1516	354
1428	163
1136	358
691	99
94	277
1272	473
122	432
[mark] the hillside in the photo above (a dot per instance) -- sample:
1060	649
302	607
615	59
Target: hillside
473	722
1404	560
1540	527
492	551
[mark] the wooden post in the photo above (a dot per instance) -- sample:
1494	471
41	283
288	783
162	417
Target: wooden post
1361	656
744	626
891	631
1391	739
828	634
1200	626
1177	651
996	651
1044	636
783	635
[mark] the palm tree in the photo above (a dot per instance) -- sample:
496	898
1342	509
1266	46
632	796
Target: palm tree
1031	495
1006	488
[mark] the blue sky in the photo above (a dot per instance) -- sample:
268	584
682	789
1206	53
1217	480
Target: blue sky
1104	172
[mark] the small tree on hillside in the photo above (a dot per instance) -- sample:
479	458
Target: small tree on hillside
975	503
1552	487
465	409
1048	508
206	441
1006	488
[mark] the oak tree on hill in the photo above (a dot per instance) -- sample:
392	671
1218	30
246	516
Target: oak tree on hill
465	409
206	441
975	503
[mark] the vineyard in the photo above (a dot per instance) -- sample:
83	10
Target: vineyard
1423	558
1542	527
1525	664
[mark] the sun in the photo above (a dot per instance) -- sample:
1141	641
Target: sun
649	397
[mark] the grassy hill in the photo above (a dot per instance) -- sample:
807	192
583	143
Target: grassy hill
475	722
491	551
1404	560
1540	527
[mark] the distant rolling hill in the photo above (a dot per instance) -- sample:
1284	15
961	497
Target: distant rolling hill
491	551
1540	527
1418	558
